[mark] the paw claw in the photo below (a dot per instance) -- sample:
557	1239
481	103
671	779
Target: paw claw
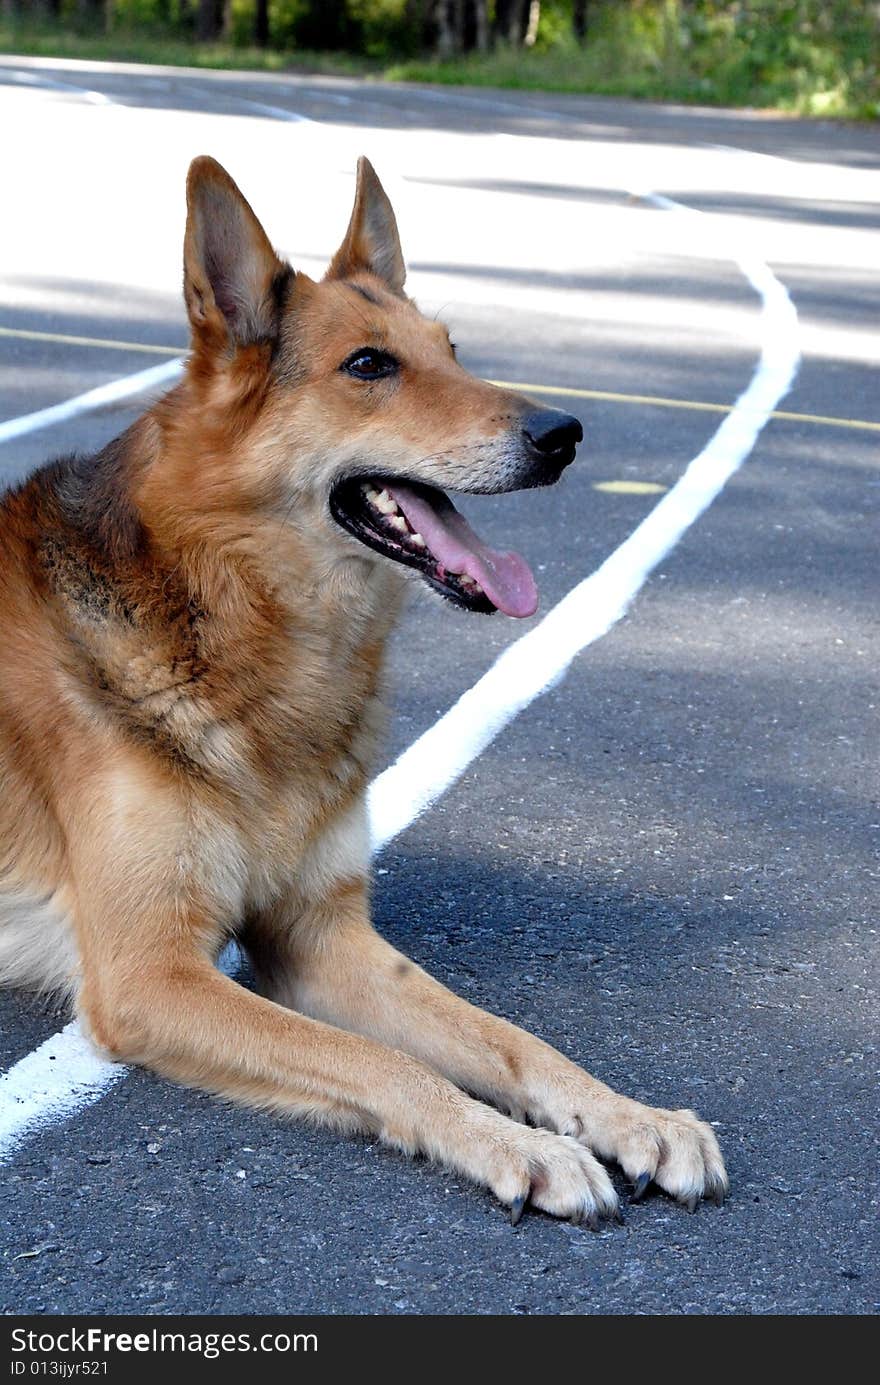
715	1191
691	1201
586	1215
516	1209
639	1186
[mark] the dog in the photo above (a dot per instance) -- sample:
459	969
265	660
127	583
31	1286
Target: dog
191	692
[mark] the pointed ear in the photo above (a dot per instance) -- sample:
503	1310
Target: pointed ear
231	275
371	241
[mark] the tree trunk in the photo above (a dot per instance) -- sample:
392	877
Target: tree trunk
510	17
481	25
89	13
418	13
261	24
460	18
324	24
532	26
444	18
207	21
580	19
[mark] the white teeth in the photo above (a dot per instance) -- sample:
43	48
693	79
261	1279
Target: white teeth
466	580
384	502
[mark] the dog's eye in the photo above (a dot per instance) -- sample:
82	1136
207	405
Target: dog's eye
369	364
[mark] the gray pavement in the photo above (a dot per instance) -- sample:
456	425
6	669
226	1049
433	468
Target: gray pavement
667	866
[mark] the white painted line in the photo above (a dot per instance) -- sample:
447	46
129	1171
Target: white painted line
31	1099
322	94
62	1076
452	96
54	1082
94	98
750	153
98	398
275	112
540	658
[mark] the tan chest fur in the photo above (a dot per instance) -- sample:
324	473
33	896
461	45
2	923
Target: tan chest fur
265	719
232	738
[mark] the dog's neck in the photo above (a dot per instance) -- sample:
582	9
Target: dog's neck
201	613
238	541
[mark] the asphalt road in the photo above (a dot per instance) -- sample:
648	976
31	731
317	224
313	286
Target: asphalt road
667	866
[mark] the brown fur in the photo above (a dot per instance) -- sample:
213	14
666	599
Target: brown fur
190	704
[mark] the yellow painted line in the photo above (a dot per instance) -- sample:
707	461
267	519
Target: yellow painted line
105	343
694	404
563	391
629	487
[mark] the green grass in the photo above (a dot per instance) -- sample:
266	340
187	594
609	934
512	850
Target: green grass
816	88
801	78
173	52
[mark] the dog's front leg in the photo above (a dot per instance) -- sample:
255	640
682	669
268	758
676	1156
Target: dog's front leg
329	962
150	995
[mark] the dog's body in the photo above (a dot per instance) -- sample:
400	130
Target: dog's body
190	705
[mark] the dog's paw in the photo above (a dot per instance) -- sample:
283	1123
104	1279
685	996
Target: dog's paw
674	1149
552	1172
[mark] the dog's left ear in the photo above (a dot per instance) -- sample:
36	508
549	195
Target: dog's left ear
231	274
371	243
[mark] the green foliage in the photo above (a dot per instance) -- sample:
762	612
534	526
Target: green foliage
816	57
121	46
284	16
387	27
554	27
151	16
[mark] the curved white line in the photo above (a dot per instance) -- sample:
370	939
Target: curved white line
29	1099
54	1082
98	398
275	112
272	112
94	98
540	658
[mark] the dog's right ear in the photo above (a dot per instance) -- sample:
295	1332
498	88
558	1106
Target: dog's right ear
232	278
371	242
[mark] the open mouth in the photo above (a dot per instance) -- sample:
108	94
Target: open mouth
419	526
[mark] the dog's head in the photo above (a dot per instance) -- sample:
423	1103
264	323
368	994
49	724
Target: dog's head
348	407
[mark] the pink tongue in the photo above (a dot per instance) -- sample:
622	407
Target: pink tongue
506	578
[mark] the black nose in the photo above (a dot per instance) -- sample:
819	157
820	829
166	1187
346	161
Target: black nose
553	434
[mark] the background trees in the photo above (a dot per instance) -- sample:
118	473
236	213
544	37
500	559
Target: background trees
815	55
